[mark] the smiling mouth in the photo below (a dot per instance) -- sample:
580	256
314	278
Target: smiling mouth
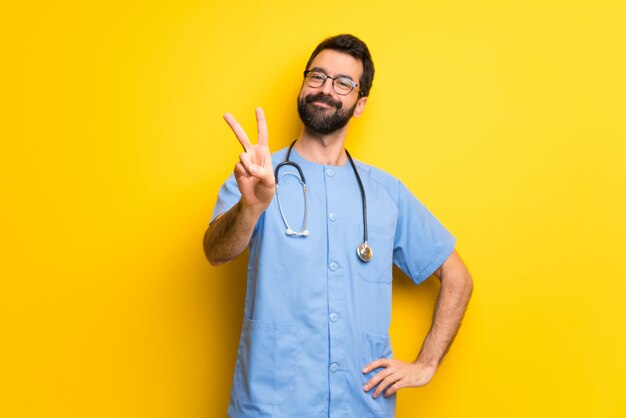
321	101
322	104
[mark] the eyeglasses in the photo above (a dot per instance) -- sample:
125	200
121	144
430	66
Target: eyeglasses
341	85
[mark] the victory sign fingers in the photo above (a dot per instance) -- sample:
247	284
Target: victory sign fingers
254	172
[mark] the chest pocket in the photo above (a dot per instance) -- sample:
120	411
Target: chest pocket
379	268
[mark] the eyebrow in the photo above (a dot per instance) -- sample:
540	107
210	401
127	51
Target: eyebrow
325	72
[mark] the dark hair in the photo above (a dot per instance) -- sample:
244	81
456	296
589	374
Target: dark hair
355	47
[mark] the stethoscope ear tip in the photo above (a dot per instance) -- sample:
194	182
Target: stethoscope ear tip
305	233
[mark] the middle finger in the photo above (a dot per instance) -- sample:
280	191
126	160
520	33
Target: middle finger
377	378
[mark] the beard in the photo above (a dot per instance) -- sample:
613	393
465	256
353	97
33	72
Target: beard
316	119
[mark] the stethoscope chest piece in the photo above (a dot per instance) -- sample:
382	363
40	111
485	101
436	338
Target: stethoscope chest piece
364	251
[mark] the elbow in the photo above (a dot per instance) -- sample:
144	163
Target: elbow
215	263
211	259
213	253
209	252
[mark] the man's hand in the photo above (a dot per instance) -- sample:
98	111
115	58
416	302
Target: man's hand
229	233
396	375
254	172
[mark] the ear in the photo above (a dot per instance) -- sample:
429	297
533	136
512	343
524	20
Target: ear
360	107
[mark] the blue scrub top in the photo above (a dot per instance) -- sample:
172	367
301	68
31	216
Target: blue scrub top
315	314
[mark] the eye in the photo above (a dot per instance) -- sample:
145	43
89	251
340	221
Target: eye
345	83
317	76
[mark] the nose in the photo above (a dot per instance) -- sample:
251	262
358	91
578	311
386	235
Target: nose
327	86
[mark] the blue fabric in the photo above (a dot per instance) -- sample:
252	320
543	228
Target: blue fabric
315	314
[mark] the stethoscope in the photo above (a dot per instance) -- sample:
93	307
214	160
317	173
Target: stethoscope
363	250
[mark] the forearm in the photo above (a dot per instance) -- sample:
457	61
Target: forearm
456	289
229	234
454	295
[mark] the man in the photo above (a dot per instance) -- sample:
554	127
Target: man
314	341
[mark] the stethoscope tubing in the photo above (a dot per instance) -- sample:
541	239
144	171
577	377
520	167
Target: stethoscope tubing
364	251
358	178
303	232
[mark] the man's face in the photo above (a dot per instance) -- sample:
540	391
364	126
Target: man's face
322	109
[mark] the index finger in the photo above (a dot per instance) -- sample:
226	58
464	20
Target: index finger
238	130
261	125
375	365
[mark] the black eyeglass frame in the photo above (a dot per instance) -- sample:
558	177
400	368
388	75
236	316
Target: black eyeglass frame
354	84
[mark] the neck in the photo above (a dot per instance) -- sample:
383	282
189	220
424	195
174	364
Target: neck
322	149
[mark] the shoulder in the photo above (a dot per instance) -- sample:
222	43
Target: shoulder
379	178
375	173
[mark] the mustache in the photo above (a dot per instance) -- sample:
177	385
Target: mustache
310	98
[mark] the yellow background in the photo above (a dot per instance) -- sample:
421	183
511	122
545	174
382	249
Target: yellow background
507	119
